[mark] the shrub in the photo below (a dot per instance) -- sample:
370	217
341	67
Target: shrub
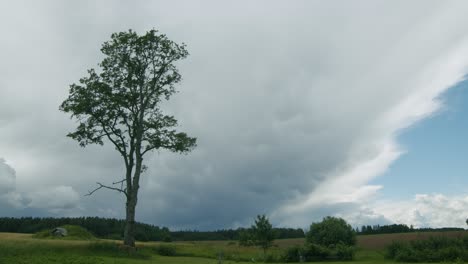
270	258
292	254
246	238
394	248
434	249
166	250
344	252
316	252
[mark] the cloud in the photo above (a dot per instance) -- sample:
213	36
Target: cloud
7	177
295	107
56	199
427	210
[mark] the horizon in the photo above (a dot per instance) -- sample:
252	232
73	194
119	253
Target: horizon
304	229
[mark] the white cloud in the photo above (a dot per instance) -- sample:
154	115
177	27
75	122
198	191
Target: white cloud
7	177
55	199
426	210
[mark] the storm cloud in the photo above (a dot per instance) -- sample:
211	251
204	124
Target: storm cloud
296	107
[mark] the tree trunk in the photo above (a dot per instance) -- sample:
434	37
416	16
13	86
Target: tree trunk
129	232
132	198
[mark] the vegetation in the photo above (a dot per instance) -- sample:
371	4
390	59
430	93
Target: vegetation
331	231
73	232
434	249
330	239
20	248
99	227
121	104
263	233
113	229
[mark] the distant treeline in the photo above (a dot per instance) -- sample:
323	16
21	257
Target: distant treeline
231	234
113	229
399	228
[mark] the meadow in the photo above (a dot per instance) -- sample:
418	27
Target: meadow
23	248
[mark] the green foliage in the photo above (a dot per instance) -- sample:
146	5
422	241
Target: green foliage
246	238
121	102
166	250
231	234
263	233
400	228
344	252
315	252
73	233
434	249
293	254
330	232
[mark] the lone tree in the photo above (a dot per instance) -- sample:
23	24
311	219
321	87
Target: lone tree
263	233
121	104
331	231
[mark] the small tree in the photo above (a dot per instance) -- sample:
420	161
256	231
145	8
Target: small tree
331	231
121	103
263	233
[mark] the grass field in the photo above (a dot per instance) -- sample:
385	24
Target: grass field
22	248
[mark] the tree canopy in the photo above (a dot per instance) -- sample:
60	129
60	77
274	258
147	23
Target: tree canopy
331	231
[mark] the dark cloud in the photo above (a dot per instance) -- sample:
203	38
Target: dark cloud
283	98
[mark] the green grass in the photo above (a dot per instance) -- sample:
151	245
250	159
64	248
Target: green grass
22	248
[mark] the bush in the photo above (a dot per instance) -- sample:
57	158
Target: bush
394	248
166	250
316	252
270	258
434	249
292	254
246	238
344	252
330	232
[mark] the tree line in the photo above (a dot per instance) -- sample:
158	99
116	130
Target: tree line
231	234
114	228
398	228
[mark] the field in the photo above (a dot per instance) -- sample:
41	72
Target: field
22	248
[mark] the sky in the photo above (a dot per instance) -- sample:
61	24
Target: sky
301	110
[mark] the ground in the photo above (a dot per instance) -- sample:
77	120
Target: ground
23	248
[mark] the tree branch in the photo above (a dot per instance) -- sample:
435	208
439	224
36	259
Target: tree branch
101	186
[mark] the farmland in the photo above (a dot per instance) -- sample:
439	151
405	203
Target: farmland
22	248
